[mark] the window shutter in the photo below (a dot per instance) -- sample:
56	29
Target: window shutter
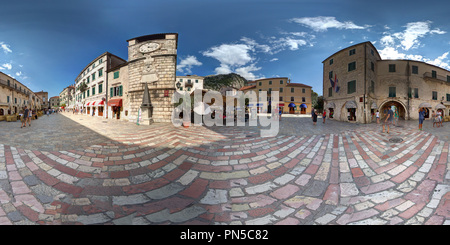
111	94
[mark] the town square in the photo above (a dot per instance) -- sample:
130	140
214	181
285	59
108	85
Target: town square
141	130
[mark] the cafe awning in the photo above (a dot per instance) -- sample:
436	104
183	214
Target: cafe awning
425	104
115	102
350	105
98	103
331	105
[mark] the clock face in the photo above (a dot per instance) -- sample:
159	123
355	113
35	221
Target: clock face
148	47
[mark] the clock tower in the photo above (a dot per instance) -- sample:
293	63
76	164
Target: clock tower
152	63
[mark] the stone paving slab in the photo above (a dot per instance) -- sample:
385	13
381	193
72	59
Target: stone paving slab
76	169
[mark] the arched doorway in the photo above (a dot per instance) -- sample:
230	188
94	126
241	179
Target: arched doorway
348	112
395	106
303	108
291	108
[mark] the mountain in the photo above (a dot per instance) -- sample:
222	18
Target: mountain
218	82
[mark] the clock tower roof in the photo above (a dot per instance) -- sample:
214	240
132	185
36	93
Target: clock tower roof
152	37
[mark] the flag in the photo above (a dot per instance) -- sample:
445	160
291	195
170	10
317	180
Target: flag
332	83
336	87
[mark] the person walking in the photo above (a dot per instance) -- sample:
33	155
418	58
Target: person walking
22	119
324	115
421	117
314	116
26	113
396	117
433	118
439	118
378	117
389	120
30	114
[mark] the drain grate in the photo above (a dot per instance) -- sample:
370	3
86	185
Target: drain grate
395	140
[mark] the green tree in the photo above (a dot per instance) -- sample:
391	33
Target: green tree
317	101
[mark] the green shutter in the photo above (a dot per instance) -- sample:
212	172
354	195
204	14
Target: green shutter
111	90
120	90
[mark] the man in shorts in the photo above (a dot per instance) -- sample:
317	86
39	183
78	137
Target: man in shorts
26	114
421	117
389	120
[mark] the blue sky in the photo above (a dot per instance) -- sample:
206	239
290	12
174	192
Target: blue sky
45	44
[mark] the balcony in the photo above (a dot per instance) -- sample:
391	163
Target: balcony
437	78
188	84
5	83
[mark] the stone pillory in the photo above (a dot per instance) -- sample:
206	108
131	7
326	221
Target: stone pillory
152	63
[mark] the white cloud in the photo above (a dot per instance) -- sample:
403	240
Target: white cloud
395	44
409	38
391	53
235	57
223	69
256	46
274	59
188	63
230	54
323	23
247	72
292	44
6	66
439	61
5	47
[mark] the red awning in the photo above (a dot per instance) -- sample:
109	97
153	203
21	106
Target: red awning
100	103
88	103
115	102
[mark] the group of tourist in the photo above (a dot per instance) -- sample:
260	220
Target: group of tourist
25	116
392	117
436	118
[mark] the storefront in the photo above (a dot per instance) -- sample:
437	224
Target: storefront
291	108
303	108
351	110
99	107
88	108
116	107
331	106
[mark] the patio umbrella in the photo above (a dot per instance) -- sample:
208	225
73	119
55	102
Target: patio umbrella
440	106
202	109
425	104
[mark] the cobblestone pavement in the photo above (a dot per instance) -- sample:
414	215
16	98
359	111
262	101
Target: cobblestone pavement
74	169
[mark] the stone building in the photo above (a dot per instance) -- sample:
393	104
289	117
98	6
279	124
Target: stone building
44	98
357	83
294	98
65	97
118	103
189	83
14	96
152	64
94	79
54	102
